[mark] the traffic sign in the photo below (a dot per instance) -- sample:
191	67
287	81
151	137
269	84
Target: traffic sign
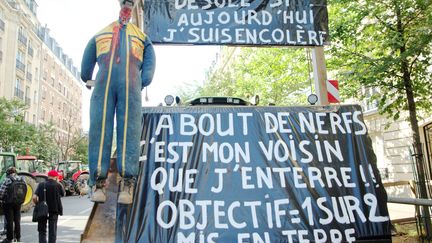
333	91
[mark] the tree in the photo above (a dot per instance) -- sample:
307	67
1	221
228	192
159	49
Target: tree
69	138
23	137
278	75
13	129
386	44
80	149
43	144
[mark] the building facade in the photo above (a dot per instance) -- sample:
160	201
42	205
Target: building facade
392	142
34	69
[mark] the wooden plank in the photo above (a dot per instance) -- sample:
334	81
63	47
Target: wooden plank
396	183
102	223
320	74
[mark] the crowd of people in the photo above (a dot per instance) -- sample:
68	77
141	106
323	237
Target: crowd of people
12	195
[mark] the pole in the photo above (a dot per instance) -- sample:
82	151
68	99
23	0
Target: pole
411	201
320	74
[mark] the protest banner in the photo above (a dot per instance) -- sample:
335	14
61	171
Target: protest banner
237	22
257	174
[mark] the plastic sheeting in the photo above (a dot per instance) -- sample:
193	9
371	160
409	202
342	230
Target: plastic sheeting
257	174
237	22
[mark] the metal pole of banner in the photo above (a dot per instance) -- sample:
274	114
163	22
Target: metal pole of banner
411	201
320	74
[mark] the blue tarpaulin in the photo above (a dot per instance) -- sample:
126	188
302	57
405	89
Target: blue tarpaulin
257	174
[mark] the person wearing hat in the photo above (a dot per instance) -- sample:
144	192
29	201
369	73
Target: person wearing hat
126	61
11	208
50	191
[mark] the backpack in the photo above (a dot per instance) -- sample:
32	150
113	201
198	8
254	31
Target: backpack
16	191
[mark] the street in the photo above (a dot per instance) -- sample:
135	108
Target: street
70	226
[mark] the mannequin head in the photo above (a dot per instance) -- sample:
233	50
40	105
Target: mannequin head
127	3
126	10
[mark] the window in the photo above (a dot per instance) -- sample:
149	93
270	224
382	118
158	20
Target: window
18	83
1	52
30	50
29	74
6	161
35	97
18	90
370	102
20	61
27	95
20	56
22	37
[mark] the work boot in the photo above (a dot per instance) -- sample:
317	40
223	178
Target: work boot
98	192
126	191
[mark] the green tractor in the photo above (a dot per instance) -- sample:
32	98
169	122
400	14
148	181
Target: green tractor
7	160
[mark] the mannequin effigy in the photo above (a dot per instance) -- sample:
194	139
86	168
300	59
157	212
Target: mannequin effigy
126	61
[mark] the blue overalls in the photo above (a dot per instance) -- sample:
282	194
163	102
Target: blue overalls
126	61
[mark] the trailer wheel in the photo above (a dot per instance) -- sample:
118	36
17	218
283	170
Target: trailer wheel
31	189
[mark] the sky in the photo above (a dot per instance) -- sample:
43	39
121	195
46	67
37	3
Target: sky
74	22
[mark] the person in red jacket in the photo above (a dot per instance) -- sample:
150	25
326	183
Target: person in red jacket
50	191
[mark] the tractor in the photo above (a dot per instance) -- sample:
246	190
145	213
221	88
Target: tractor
7	160
73	176
30	164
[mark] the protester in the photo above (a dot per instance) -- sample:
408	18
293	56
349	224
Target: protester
126	64
12	195
50	191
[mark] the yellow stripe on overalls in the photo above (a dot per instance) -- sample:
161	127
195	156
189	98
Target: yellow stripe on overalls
127	104
104	112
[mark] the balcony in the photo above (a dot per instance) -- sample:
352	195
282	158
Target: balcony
29	77
20	65
2	25
19	93
22	39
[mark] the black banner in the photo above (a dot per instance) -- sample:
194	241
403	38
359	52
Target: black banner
257	174
237	22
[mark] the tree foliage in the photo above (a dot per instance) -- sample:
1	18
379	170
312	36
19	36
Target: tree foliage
80	149
42	141
278	75
15	133
384	44
387	44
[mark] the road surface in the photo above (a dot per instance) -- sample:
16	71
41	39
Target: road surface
76	211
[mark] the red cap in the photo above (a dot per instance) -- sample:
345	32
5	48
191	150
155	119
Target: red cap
53	173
